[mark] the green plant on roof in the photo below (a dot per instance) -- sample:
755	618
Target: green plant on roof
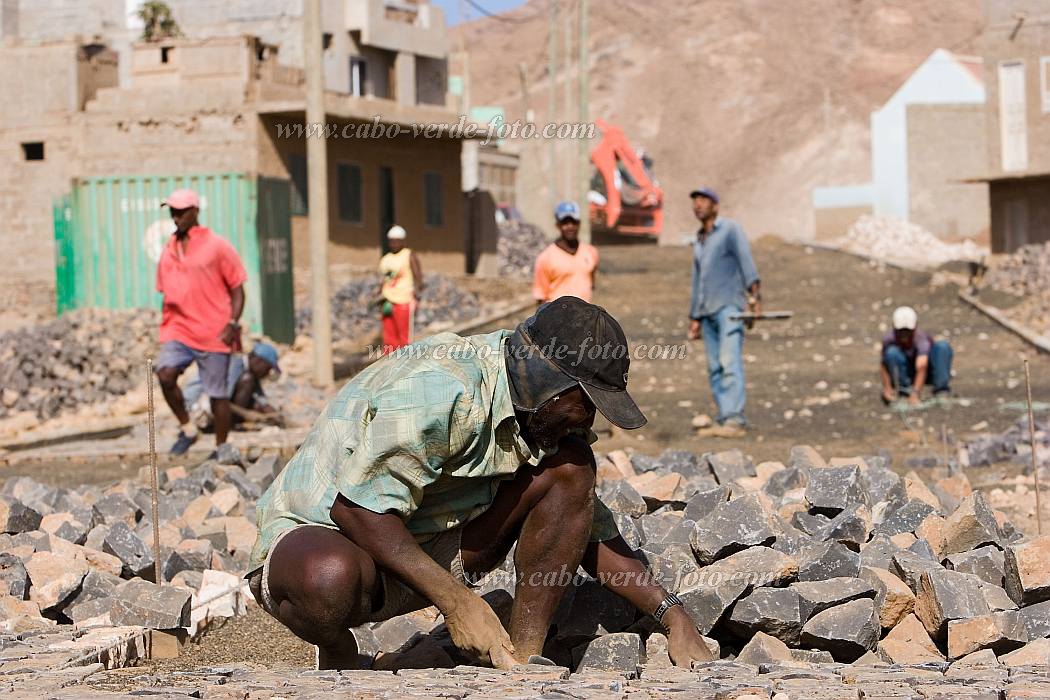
157	21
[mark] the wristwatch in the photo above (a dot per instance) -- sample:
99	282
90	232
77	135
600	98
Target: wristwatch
669	602
233	322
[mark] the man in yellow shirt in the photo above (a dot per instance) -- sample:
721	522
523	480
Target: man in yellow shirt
402	287
565	268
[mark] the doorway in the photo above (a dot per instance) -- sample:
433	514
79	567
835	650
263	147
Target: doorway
386	204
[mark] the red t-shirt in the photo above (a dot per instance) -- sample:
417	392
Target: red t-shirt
196	286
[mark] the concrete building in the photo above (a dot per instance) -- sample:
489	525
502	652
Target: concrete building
40	139
1016	48
218	100
927	137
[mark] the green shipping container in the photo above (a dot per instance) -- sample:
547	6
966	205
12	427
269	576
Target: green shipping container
110	231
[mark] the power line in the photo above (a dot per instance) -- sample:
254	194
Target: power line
503	18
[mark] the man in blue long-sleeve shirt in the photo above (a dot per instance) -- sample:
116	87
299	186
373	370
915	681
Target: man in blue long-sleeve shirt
725	282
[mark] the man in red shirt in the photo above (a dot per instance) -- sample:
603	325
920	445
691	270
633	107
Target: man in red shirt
201	277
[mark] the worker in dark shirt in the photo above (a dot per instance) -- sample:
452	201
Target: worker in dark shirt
910	357
248	391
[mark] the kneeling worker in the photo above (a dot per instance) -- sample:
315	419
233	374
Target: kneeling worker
910	357
247	393
424	471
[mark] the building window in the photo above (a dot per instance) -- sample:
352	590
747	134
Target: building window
434	197
33	150
297	171
165	53
349	187
358	74
326	41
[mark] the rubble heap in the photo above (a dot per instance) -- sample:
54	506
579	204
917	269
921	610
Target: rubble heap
84	357
1012	445
84	556
519	244
905	243
1026	273
795	563
356	313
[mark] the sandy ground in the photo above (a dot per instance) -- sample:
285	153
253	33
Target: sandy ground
827	354
839	303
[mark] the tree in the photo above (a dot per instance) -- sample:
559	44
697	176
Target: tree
157	21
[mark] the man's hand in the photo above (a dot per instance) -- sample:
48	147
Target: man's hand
230	334
684	643
475	629
754	305
473	626
913	399
694	330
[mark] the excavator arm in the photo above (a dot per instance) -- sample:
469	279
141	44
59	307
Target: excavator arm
630	193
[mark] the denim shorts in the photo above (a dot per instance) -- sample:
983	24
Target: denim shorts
211	366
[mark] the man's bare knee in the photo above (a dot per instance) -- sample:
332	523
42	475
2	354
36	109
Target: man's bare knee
323	594
168	377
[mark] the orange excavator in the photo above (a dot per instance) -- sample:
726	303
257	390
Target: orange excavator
624	197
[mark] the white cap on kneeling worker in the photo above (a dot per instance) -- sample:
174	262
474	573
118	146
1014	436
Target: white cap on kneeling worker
905	319
396	233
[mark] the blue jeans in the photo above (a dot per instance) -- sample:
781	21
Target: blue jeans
902	372
724	345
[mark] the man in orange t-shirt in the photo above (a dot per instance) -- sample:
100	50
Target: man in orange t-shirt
565	267
201	277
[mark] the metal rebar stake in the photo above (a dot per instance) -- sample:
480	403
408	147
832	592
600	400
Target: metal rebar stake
153	471
1035	460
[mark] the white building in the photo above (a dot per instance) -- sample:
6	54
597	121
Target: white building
926	141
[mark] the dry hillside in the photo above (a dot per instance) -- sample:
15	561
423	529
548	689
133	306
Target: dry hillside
763	99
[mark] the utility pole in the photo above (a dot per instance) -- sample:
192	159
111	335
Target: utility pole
584	159
317	193
552	101
567	177
523	73
466	56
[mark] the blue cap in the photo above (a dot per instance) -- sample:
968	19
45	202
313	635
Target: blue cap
567	210
704	192
265	351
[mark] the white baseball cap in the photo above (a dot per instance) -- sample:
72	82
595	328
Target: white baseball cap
396	233
905	319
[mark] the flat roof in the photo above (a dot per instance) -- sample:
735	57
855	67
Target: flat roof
1002	177
364	110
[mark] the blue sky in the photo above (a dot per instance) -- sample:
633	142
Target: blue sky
451	8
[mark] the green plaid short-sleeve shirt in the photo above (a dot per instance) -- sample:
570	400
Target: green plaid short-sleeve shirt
427	433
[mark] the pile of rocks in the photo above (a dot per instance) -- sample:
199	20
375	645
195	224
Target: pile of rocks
84	357
905	243
519	244
803	562
797	562
1026	274
1023	273
356	313
84	556
1012	445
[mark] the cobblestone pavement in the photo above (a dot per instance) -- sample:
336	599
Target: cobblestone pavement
718	680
